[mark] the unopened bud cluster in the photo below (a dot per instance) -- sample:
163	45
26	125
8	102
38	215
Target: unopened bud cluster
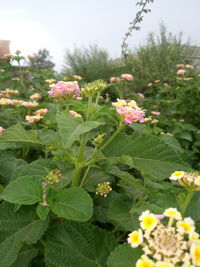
98	139
91	89
103	189
53	177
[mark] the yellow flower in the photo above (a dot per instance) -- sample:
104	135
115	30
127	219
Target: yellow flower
194	236
197	180
177	175
195	253
186	226
172	212
163	264
144	262
135	238
148	220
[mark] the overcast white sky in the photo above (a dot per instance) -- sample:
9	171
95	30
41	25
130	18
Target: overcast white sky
63	24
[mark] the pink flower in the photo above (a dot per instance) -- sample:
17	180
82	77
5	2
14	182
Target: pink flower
2	130
129	112
149	84
181	72
121	110
128	119
65	90
41	111
155	113
141	95
114	79
75	114
35	96
127	77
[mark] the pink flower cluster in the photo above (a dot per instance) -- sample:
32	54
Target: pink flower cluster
41	111
129	111
126	77
141	96
35	96
181	72
114	79
8	92
2	130
16	102
38	115
61	89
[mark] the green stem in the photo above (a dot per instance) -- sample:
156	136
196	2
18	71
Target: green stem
79	165
186	202
97	98
88	108
85	176
112	136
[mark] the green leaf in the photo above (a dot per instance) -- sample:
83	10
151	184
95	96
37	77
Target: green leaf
38	168
73	244
42	212
172	141
125	176
10	168
24	190
150	155
71	128
95	176
193	208
119	212
73	204
17	133
26	254
124	256
17	228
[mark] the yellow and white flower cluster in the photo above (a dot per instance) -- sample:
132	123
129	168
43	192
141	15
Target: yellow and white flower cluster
172	245
38	115
189	180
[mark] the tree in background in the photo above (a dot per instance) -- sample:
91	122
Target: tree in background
91	63
157	58
42	60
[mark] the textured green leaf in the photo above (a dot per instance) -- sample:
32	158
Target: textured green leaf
124	256
24	257
193	208
24	190
171	141
42	212
38	168
150	155
95	176
71	128
119	212
10	168
17	133
74	204
125	176
17	228
74	244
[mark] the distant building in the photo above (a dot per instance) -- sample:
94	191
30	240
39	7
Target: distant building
4	49
193	52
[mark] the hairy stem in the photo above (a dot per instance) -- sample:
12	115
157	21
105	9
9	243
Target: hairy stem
186	202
